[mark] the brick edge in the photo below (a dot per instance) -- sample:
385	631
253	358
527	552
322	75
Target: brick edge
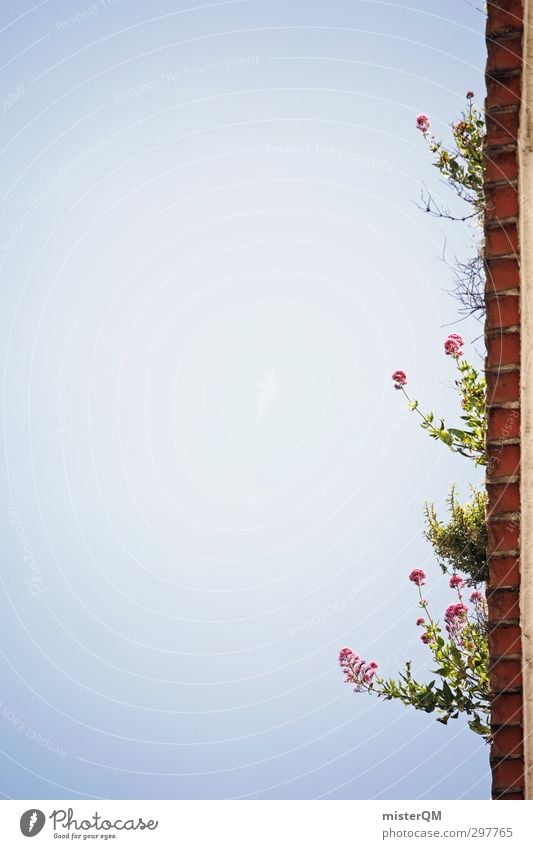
504	38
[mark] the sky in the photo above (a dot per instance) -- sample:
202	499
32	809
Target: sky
213	258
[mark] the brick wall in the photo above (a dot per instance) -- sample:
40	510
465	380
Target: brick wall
502	334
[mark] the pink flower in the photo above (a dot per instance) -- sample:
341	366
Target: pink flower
457	582
370	671
469	95
400	379
348	662
425	637
476	597
420	621
453	345
418	577
348	655
423	123
356	671
455	618
454	610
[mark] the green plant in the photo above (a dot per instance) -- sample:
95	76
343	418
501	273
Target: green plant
468	440
461	164
461	659
459	649
460	544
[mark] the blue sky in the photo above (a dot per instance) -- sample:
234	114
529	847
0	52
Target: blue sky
212	261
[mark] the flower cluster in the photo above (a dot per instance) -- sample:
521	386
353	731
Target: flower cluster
418	577
423	123
400	379
455	618
356	670
453	346
457	582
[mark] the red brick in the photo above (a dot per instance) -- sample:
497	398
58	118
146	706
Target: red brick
505	639
503	388
503	349
503	498
508	741
501	241
506	708
503	311
501	202
504	571
503	536
506	674
505	52
502	274
500	165
503	604
503	424
504	15
508	795
502	127
503	461
504	31
503	91
508	774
